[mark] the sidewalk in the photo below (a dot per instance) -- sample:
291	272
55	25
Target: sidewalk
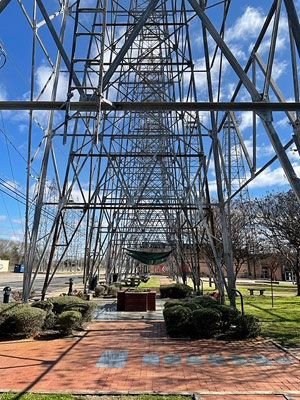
136	356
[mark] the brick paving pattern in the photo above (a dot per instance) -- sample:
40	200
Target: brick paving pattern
138	357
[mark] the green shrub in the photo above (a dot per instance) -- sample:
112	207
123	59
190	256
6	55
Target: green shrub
177	319
21	320
86	309
175	302
192	305
73	303
228	316
45	305
112	290
4	309
175	291
188	302
205	301
50	321
68	321
204	323
246	326
59	303
99	291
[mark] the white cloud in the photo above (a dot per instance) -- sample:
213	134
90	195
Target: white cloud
273	177
246	120
247	26
262	149
11	185
293	154
45	81
3	93
282	123
20	221
200	78
3	217
278	69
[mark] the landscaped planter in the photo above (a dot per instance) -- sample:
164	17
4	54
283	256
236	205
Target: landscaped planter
136	301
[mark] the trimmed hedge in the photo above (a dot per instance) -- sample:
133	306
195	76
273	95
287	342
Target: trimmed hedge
112	290
45	305
68	321
203	317
50	321
177	319
25	320
228	316
59	303
73	303
205	301
246	326
184	302
204	323
99	291
175	291
21	320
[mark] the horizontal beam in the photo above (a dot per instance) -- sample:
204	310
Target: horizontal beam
93	106
142	206
138	154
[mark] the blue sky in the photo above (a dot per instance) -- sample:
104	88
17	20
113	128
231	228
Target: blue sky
243	24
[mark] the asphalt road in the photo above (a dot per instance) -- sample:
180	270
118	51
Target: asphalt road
59	282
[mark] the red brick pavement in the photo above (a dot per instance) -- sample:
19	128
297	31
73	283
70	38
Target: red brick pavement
70	364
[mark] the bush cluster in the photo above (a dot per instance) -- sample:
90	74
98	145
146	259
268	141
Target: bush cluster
175	291
203	317
21	320
69	320
111	290
58	313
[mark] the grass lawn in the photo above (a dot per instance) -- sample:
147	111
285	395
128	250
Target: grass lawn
31	396
153	282
281	322
280	290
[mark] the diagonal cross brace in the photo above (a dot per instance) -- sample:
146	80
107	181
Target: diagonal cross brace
128	43
272	134
226	51
3	4
294	21
59	44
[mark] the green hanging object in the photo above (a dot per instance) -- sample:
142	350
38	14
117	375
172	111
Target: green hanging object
148	257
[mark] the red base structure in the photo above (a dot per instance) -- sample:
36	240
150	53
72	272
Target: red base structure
136	301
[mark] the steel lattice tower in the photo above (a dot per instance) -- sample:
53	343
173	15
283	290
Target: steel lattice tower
132	138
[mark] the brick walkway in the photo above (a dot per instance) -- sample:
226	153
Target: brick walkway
137	357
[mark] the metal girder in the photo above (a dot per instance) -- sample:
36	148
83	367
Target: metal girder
225	50
150	106
140	168
142	206
3	4
129	41
294	19
58	42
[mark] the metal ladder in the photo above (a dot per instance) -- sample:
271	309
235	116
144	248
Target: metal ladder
87	58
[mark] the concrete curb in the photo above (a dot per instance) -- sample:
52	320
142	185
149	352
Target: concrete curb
195	396
285	349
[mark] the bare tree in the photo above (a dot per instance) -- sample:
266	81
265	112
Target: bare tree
240	237
10	250
278	217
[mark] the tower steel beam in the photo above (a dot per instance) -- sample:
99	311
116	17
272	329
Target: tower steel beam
151	106
131	155
3	4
